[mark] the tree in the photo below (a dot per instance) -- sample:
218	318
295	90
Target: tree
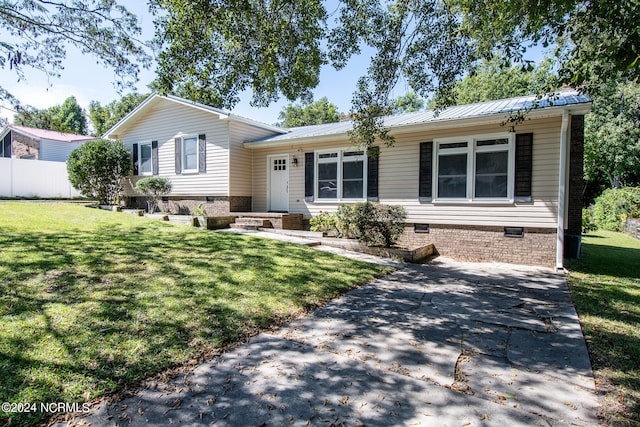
493	80
612	136
68	117
38	32
314	113
153	187
33	117
211	51
408	103
97	168
105	117
596	40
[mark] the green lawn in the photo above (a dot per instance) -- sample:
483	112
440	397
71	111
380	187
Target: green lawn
605	287
92	301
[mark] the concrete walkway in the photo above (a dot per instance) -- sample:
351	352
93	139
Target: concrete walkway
445	343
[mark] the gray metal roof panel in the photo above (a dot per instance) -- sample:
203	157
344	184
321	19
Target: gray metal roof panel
502	106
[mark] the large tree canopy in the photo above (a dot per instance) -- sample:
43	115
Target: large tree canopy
214	50
314	113
612	136
105	117
493	80
68	117
36	33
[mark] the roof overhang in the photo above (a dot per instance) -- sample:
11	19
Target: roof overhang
496	118
154	100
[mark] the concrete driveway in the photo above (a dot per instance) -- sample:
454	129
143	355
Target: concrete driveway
445	343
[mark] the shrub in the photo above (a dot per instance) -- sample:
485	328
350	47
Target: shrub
373	224
377	224
345	222
324	222
97	168
153	187
588	224
199	210
614	205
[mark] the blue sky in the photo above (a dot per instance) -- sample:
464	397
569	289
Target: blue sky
83	78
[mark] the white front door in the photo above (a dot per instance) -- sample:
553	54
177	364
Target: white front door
279	183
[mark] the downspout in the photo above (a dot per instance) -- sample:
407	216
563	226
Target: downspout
562	180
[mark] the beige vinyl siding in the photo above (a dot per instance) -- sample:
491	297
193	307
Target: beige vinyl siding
398	180
170	120
240	158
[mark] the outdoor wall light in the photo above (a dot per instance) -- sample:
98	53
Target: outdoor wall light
295	162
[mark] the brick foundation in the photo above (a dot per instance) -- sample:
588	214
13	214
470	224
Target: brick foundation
217	206
486	244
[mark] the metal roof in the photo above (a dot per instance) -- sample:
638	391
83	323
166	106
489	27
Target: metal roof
45	134
500	107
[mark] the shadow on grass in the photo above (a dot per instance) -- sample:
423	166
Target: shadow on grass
605	287
87	311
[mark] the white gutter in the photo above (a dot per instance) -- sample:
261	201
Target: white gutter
562	179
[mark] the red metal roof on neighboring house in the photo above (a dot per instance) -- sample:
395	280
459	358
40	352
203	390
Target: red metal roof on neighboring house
51	135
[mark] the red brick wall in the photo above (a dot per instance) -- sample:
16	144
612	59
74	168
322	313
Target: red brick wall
487	244
24	146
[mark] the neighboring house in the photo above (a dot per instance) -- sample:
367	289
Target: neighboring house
21	142
473	188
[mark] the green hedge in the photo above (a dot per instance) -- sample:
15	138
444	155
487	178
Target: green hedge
614	206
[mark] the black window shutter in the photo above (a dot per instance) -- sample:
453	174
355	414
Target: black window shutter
135	159
373	159
178	156
154	157
202	153
524	162
425	184
308	176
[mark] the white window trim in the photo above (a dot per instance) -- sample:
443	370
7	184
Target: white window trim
471	151
340	160
186	171
140	144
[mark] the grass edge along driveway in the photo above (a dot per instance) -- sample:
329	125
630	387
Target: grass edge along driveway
605	288
94	301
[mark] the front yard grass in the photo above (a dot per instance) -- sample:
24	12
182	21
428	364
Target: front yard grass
94	301
605	287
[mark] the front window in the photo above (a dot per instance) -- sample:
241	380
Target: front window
474	168
190	154
146	166
341	175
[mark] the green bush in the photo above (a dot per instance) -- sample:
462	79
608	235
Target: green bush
614	206
345	222
379	225
324	222
97	168
153	187
199	210
588	224
374	224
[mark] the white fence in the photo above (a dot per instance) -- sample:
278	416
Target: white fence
34	178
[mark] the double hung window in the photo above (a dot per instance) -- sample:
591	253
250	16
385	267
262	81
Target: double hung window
474	168
145	155
190	159
341	175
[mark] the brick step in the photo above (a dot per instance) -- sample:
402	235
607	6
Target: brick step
244	227
257	222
